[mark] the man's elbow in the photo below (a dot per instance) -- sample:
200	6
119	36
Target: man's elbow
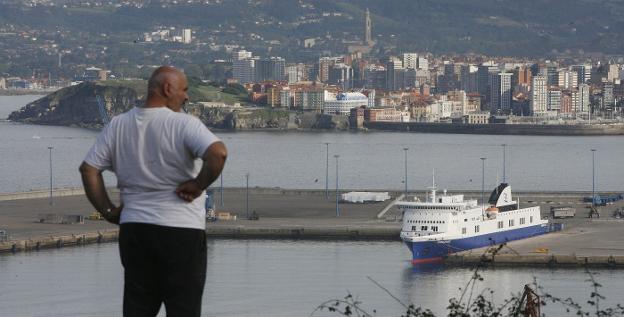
217	152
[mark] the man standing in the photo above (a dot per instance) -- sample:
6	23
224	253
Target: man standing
153	151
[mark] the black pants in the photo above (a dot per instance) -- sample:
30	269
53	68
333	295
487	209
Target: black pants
162	265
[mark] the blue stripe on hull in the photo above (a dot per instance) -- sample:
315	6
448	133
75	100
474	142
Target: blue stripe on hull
438	249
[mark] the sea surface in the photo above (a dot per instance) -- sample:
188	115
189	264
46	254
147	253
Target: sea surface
374	160
277	279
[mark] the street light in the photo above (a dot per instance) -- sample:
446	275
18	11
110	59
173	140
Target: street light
405	178
50	149
221	191
337	193
482	183
504	160
326	170
593	176
247	196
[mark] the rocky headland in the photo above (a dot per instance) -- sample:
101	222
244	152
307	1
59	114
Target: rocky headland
78	106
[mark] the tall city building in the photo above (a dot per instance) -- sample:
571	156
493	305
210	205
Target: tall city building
392	69
500	98
423	63
568	79
243	69
469	78
539	96
608	100
272	68
550	71
186	36
341	75
375	76
583	72
554	100
483	78
410	60
524	75
324	64
295	73
580	99
613	72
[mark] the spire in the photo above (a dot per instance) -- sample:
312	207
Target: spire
367	29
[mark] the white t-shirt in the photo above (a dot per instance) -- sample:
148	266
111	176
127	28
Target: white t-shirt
152	151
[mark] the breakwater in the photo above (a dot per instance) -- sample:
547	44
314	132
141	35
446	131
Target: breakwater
499	128
60	241
537	260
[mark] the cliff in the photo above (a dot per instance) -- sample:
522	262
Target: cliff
78	106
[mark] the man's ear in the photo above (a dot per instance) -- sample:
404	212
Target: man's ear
167	90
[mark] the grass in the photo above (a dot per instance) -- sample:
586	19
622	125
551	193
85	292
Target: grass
197	92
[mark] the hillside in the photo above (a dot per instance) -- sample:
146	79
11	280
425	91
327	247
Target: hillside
494	27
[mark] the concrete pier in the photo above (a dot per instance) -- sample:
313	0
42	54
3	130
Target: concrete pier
308	215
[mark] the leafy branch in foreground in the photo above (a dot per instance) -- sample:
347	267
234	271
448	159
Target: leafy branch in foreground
469	304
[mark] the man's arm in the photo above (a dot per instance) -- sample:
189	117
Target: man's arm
93	183
214	159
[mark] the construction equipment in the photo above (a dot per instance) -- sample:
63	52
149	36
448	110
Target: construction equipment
95	216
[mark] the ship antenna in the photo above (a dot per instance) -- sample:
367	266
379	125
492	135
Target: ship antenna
504	161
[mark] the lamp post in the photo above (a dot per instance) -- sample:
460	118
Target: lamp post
221	191
50	149
504	161
326	170
405	178
482	183
247	196
337	193
593	177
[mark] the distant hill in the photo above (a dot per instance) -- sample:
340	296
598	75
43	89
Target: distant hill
494	27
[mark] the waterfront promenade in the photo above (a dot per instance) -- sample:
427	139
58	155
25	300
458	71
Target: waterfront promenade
308	214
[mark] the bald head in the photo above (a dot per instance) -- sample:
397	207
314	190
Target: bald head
167	87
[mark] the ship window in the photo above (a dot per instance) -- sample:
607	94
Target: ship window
500	225
434	228
531	219
521	221
463	230
423	228
413	228
511	222
465	219
476	228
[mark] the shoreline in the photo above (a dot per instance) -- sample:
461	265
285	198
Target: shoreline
595	130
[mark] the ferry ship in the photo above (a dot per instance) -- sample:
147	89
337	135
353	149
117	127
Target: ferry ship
445	224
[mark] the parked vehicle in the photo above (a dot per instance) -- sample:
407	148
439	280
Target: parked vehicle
562	212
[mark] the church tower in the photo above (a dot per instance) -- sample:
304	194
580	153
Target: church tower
368	37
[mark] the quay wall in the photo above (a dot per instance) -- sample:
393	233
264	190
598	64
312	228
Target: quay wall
499	128
53	242
537	260
333	234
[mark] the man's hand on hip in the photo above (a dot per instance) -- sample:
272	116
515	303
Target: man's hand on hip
114	215
189	190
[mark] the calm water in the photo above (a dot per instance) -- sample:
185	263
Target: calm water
367	160
270	278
